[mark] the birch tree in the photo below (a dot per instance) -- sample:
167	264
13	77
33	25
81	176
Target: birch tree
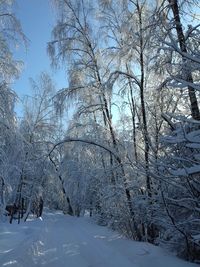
181	164
76	42
11	35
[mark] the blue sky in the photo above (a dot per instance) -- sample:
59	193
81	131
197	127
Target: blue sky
37	19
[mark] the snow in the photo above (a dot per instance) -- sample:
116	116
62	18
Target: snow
193	136
193	145
186	171
59	240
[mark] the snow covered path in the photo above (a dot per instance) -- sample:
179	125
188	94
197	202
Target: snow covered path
64	241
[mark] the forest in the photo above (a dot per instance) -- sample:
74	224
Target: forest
129	157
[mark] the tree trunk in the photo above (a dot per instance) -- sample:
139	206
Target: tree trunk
112	133
182	43
133	112
142	101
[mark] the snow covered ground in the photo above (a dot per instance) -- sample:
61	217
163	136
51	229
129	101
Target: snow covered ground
63	241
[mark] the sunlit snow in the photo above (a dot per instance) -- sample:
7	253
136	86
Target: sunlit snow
59	241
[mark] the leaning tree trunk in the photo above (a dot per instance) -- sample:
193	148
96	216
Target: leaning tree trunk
67	208
108	120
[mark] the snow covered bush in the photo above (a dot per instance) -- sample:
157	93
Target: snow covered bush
181	188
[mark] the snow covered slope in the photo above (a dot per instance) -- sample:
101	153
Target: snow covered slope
63	241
